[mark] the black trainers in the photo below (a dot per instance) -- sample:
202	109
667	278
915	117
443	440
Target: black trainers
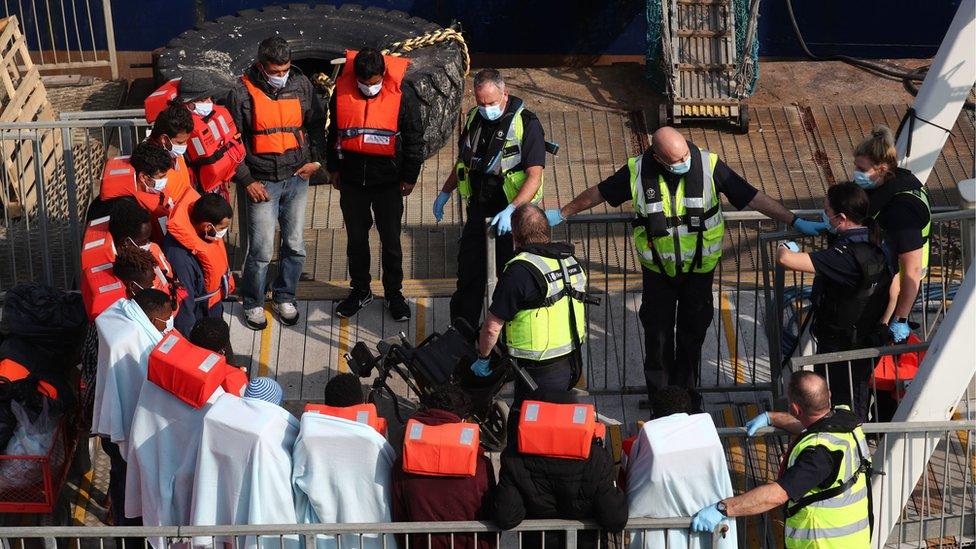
398	308
351	305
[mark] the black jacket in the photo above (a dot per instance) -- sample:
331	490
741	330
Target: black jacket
277	167
363	169
537	487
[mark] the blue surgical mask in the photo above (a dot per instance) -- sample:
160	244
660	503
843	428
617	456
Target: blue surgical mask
680	168
159	185
203	108
177	149
826	219
278	81
863	180
491	112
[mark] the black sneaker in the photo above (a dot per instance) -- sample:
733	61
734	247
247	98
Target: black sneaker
398	308
351	305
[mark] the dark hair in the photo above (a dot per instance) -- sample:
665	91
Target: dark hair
449	398
368	63
530	226
150	159
274	50
152	300
174	120
210	208
670	400
849	199
344	390
809	391
126	220
133	264
211	333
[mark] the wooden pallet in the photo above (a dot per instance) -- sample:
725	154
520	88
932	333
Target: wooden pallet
23	98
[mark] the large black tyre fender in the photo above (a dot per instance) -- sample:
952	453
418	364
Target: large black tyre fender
225	47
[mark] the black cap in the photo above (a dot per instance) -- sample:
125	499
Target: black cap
196	85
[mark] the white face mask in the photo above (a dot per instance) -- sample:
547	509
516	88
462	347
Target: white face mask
170	322
217	235
221	233
158	185
203	109
177	149
278	81
370	91
143	247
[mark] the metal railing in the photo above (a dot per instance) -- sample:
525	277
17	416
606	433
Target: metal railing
67	34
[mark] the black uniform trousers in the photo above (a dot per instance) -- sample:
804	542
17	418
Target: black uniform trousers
675	313
851	387
472	274
359	204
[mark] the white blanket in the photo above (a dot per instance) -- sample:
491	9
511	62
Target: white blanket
676	467
126	336
342	474
243	468
163	446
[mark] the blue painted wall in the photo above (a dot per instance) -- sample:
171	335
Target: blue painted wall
862	28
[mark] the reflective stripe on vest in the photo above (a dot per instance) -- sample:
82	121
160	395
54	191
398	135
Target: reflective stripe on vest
369	125
680	244
512	178
277	124
214	151
842	520
544	332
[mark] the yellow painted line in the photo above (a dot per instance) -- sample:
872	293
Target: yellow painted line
737	457
81	502
729	326
265	352
421	332
343	344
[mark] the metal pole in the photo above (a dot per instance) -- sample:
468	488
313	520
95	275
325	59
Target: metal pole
110	38
491	267
967	201
72	196
42	212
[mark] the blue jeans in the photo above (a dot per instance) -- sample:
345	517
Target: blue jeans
287	207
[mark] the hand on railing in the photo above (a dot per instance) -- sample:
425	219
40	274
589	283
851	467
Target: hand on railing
757	423
810	228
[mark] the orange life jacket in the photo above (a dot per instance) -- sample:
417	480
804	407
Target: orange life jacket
119	179
12	371
96	246
214	150
212	255
188	372
369	125
160	99
558	430
893	371
235	382
360	413
277	124
446	450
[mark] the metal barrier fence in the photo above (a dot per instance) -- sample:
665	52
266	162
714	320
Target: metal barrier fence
86	38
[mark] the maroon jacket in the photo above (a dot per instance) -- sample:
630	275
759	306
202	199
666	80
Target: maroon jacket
422	498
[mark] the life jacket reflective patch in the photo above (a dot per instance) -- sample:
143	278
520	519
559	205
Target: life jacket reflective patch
360	413
160	99
212	255
369	125
277	124
96	246
893	373
558	430
446	450
188	372
12	371
214	150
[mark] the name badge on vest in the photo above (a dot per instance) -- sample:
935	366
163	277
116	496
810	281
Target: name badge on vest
376	139
694	220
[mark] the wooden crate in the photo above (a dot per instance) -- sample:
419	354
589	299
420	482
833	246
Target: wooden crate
23	98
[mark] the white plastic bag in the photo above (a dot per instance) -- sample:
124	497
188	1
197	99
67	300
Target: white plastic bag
30	438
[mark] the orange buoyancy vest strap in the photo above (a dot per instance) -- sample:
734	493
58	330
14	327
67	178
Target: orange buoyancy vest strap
211	255
277	124
369	125
12	371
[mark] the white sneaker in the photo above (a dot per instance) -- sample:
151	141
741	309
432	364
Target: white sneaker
287	313
254	318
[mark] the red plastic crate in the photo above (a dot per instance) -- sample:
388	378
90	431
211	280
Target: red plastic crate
49	470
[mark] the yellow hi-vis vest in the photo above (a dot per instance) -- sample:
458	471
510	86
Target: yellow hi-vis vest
508	163
546	331
923	195
680	233
835	515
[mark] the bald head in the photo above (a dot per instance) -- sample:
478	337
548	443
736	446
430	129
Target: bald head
809	392
670	147
530	226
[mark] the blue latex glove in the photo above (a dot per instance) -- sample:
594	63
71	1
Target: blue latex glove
481	367
899	330
503	221
439	202
707	519
757	423
792	246
555	216
810	228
